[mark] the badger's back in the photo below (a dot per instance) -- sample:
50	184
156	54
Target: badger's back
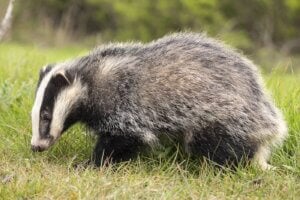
184	85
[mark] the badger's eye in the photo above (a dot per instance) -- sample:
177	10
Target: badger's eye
45	115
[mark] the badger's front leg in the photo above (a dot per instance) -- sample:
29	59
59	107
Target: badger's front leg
111	148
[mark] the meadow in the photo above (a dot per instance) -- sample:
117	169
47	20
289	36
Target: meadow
165	174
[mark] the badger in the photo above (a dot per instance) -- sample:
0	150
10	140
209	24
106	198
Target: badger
185	86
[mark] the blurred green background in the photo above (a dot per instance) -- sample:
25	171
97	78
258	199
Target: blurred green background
267	31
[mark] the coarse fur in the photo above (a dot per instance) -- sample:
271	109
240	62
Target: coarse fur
186	86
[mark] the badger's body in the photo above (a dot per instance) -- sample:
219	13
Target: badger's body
185	86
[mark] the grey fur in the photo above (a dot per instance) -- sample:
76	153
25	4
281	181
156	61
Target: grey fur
184	85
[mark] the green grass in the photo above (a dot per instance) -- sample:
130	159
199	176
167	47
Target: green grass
162	175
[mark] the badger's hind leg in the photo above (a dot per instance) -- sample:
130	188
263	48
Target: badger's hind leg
112	148
262	157
263	153
273	137
217	144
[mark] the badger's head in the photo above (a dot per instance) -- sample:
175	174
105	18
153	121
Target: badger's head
56	107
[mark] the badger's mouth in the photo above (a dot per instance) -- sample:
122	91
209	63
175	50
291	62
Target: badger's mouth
42	144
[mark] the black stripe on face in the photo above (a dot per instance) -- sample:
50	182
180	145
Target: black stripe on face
54	87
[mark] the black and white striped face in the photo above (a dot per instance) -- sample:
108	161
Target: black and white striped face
55	105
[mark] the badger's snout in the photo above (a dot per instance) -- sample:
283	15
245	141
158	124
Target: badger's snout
37	148
39	145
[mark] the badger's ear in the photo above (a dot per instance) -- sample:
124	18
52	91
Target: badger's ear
62	78
45	70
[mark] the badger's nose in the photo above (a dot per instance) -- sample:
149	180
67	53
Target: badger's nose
37	148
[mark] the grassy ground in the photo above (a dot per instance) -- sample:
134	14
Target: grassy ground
163	175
